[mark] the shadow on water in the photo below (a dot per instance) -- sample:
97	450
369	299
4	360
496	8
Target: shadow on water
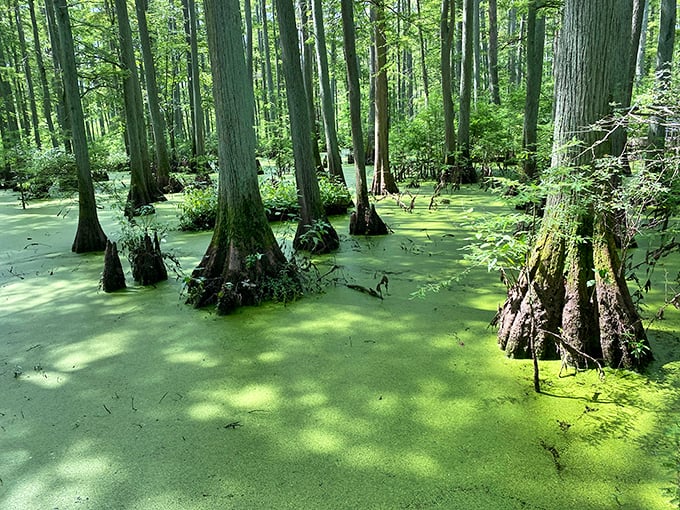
340	400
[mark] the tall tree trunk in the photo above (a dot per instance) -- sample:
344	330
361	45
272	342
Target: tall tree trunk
656	138
29	75
62	113
89	236
369	146
534	79
467	172
423	52
476	52
143	187
572	295
314	233
640	64
198	121
447	22
46	97
307	55
327	106
271	110
157	119
243	259
494	87
383	180
365	220
248	18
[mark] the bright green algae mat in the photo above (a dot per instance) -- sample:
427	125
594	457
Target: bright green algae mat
136	401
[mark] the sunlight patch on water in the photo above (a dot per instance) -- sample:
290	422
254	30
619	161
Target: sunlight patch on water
192	358
205	411
256	396
80	354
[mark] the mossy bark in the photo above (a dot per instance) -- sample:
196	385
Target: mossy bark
243	257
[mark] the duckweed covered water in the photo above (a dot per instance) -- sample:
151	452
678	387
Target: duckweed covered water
339	400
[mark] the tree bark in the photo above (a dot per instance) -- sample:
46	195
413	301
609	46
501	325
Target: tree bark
314	233
447	23
243	257
327	106
113	277
89	236
656	138
467	172
157	119
573	286
46	96
534	79
383	180
29	75
143	187
198	121
494	86
365	220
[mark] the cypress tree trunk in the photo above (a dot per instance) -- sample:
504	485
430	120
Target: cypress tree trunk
573	287
243	257
314	233
423	52
365	220
494	86
46	97
29	76
535	47
143	187
327	107
89	236
467	172
157	119
383	180
62	113
307	62
446	25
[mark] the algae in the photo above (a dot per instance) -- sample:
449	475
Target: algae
339	400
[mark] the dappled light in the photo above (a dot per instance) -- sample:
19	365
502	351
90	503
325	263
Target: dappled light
338	400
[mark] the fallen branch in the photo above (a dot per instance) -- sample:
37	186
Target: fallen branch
365	290
570	349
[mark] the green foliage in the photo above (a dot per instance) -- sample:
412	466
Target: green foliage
315	235
198	209
335	196
50	173
416	146
495	132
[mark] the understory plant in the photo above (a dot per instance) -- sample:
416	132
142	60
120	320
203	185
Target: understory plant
198	209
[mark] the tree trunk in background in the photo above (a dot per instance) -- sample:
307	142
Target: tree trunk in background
573	287
29	76
327	103
656	138
640	65
494	87
271	110
89	236
46	96
369	146
243	257
365	220
157	120
248	19
467	172
314	232
62	113
535	49
307	45
383	180
512	36
639	9
476	52
198	121
447	22
143	187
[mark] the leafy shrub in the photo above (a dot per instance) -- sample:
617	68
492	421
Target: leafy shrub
279	197
417	146
335	196
199	208
49	173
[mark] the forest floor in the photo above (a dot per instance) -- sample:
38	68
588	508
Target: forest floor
134	400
